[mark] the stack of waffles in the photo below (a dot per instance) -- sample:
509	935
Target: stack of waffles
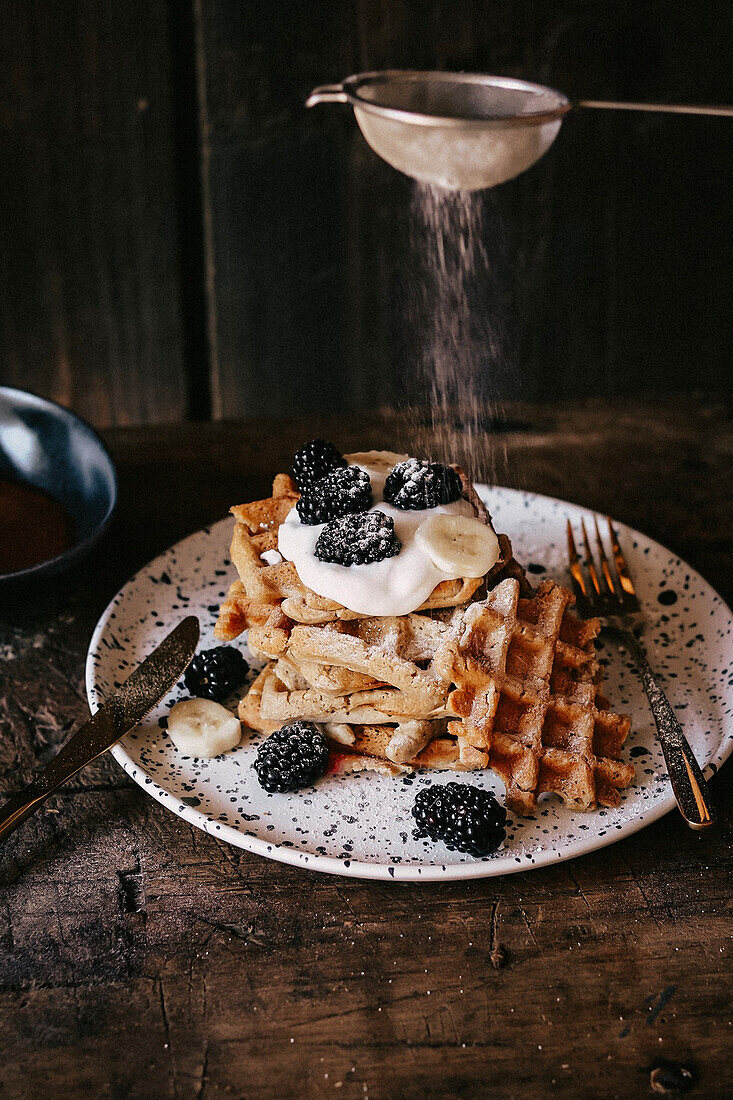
485	674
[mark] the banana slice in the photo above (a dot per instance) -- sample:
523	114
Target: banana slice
459	545
203	728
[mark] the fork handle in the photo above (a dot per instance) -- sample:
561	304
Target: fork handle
688	784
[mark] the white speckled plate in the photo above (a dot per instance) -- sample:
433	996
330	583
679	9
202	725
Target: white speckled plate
361	824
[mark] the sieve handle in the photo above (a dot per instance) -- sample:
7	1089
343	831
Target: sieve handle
662	108
327	93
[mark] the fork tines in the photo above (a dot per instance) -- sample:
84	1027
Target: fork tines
613	589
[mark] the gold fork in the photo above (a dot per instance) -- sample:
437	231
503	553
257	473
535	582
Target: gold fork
609	594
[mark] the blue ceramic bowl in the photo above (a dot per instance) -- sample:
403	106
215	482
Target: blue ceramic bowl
45	444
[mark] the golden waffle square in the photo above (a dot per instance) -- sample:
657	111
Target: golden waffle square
529	699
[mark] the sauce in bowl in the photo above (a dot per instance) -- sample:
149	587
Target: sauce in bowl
33	526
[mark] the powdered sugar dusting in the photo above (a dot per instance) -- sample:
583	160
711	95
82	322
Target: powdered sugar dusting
358	540
455	313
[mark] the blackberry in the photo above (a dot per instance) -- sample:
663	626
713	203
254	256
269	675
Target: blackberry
291	758
358	539
337	494
313	461
417	484
215	673
465	818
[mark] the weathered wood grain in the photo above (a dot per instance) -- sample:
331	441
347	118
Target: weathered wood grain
89	277
141	957
274	188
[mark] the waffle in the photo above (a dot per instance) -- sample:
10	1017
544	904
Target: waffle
485	673
267	597
508	683
527	696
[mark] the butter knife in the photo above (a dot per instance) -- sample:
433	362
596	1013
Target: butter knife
142	690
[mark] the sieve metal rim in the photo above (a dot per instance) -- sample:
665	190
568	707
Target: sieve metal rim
349	89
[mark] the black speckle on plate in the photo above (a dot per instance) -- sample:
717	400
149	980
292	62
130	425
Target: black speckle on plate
667	597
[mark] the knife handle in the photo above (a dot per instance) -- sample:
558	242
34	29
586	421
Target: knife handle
143	689
70	759
20	806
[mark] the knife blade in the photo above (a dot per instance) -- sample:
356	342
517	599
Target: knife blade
141	691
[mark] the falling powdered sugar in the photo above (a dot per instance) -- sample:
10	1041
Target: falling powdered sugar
455	310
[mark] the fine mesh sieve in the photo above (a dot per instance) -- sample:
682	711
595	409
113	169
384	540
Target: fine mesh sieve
463	131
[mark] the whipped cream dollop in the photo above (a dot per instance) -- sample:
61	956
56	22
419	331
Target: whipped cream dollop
394	586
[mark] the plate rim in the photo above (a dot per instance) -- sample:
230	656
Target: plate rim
488	867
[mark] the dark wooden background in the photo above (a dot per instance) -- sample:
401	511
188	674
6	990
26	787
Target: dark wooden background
181	239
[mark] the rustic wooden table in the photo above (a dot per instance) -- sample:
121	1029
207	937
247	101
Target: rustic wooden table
142	958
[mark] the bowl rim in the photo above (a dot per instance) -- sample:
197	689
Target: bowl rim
79	548
351	89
